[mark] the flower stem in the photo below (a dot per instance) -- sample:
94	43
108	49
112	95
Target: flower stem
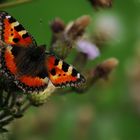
12	3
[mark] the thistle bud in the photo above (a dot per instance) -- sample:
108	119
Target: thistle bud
57	25
40	98
101	71
104	69
101	3
64	37
76	29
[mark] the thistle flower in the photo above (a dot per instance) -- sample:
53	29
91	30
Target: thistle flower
65	36
88	48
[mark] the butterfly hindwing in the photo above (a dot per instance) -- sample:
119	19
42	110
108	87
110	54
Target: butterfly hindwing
27	82
62	74
31	84
13	33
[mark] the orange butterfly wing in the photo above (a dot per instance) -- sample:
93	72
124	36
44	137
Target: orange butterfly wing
62	74
26	82
13	33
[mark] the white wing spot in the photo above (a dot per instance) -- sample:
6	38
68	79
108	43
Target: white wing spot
78	75
8	17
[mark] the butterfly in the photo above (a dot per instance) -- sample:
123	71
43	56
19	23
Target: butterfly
29	66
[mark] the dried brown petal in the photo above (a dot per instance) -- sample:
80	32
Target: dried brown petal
76	28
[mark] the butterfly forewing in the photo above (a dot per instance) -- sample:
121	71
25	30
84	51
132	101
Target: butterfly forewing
13	33
62	74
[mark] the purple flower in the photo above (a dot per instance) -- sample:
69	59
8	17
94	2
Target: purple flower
88	48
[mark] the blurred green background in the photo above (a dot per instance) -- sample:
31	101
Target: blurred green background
110	110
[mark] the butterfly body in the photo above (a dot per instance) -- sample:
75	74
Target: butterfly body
30	61
29	65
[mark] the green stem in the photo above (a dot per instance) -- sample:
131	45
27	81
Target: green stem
9	4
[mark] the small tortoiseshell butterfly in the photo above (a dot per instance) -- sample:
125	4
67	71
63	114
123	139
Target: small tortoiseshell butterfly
29	65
